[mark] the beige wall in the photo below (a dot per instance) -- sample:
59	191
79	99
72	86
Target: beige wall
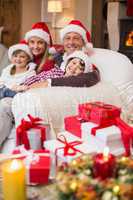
31	13
83	11
78	9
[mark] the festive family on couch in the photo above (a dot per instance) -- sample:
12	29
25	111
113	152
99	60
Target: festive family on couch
74	37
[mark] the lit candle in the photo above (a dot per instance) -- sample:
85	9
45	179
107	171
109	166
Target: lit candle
13	184
106	154
104	164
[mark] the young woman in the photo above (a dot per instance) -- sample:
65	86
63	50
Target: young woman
39	40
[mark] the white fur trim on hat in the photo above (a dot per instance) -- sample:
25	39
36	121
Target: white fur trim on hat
73	28
23	47
81	55
38	33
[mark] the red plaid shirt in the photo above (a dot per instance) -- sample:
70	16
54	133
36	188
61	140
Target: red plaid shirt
53	73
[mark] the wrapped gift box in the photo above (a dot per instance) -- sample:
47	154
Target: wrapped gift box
57	147
33	138
109	136
32	133
36	137
79	128
73	125
38	173
98	112
38	164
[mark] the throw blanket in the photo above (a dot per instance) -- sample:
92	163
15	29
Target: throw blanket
53	104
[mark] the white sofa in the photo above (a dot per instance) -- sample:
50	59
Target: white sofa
53	104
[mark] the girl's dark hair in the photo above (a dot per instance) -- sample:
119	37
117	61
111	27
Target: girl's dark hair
82	63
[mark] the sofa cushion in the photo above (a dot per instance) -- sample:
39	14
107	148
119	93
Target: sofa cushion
114	67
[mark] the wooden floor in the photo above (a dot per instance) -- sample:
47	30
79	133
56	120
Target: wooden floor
47	192
42	192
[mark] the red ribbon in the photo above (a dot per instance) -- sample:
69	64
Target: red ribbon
126	135
21	131
68	146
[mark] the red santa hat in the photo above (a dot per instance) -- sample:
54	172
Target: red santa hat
40	29
77	27
20	46
84	57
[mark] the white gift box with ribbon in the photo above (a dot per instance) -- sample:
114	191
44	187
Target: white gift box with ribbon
109	136
34	139
34	136
55	146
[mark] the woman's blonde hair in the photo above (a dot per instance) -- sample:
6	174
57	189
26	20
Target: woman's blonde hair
45	56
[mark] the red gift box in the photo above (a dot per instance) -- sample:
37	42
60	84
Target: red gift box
104	115
73	125
98	112
25	126
37	170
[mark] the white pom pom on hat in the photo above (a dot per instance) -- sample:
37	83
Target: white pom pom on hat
20	46
77	27
81	55
56	48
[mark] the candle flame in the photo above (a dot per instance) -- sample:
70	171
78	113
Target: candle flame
15	165
116	189
106	153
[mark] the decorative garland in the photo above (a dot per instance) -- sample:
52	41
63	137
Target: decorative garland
76	181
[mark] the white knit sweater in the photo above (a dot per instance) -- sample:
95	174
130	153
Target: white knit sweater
9	80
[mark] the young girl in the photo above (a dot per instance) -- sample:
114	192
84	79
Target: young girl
18	71
39	40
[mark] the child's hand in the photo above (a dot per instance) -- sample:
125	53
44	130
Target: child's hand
38	85
1	83
20	88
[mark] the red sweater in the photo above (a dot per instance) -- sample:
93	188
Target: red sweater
47	65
